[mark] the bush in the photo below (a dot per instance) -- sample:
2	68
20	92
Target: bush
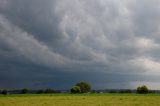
4	92
49	91
142	89
93	91
126	91
40	91
24	91
76	89
113	91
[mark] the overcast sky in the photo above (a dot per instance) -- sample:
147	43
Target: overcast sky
56	43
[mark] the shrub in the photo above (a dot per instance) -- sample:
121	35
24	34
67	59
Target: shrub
76	89
126	91
24	91
40	91
4	92
113	91
49	91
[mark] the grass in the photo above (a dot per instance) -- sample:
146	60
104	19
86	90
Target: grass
80	100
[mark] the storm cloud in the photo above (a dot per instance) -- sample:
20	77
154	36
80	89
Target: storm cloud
56	43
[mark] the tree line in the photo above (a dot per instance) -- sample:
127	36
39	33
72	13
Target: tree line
84	87
81	87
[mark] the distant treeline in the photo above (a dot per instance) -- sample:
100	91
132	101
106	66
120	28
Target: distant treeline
81	87
52	91
28	91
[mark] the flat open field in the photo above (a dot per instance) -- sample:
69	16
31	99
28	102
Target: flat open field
80	100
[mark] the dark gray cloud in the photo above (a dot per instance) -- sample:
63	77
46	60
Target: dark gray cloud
56	43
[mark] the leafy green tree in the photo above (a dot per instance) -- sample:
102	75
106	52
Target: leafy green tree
24	91
4	92
142	89
84	86
76	89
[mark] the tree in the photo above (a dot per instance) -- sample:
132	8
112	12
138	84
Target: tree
113	91
76	89
24	91
40	91
142	89
126	91
84	87
4	92
49	91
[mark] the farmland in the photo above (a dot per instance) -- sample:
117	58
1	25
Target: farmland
80	100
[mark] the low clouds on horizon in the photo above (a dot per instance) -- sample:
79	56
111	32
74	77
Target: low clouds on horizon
56	43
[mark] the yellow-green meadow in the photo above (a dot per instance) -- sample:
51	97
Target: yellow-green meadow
81	100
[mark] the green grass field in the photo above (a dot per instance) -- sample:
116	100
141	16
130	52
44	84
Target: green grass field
80	100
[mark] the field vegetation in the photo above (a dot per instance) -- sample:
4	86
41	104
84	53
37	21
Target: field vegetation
80	99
